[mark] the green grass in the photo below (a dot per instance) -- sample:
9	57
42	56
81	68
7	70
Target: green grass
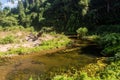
8	39
59	40
16	28
111	72
46	45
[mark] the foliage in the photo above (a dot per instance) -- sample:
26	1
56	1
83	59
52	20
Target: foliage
47	29
8	21
104	12
110	43
82	31
16	28
93	37
110	39
58	42
84	4
114	58
111	72
104	29
61	41
64	15
8	39
76	76
31	78
67	16
21	12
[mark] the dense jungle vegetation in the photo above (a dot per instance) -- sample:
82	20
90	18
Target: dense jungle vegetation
98	20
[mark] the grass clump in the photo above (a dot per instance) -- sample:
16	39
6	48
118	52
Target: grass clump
16	28
57	42
111	72
8	39
61	41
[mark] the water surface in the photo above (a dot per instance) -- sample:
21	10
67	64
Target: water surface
45	66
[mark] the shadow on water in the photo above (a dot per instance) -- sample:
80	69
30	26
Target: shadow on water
92	50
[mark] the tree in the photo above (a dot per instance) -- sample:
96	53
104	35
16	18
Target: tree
21	8
37	5
105	11
84	5
21	12
26	4
6	10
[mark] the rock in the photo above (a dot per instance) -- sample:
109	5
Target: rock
39	34
36	43
31	37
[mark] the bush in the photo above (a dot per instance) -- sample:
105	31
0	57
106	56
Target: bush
8	39
110	44
111	72
8	21
47	29
16	28
82	31
13	28
76	76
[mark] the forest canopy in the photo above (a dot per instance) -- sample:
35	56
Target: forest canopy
63	15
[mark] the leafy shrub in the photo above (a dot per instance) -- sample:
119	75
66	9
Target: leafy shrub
8	39
12	28
47	29
1	28
82	31
16	28
76	76
110	39
8	21
110	43
115	58
111	50
111	72
31	29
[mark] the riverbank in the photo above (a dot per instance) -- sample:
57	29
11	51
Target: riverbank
19	41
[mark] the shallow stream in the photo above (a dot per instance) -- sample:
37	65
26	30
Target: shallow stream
45	66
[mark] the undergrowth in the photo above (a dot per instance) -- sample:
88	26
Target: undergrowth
46	45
